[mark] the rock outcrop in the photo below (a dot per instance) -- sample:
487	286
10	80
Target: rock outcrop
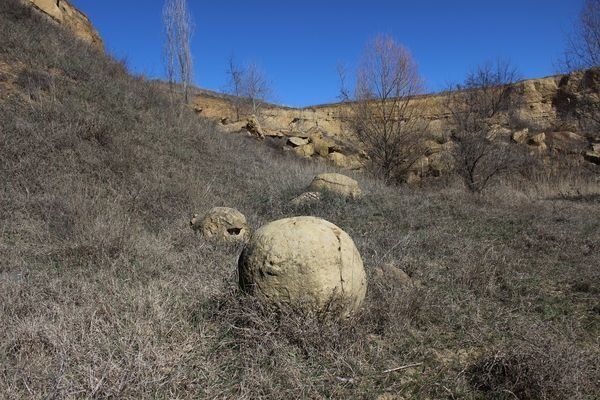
305	263
64	13
564	103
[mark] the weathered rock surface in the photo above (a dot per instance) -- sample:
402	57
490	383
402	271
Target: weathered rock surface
223	224
593	156
336	183
520	136
64	13
395	276
297	141
306	198
343	161
566	142
538	139
307	150
305	263
254	127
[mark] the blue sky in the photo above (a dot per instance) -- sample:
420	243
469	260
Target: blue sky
299	44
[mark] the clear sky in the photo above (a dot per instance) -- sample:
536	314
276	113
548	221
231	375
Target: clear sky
299	43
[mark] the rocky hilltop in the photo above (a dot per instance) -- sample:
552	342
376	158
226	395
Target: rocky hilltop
64	13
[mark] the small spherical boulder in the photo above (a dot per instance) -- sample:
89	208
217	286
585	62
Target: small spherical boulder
336	183
223	224
305	263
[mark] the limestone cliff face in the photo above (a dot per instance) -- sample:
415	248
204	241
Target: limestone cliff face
546	115
64	13
541	104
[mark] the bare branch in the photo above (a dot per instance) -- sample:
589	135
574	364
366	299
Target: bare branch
473	105
583	45
250	87
380	113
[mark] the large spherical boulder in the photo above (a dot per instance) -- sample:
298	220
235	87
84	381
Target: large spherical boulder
336	183
305	263
223	224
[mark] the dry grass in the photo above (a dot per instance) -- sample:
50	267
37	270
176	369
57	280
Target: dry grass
105	292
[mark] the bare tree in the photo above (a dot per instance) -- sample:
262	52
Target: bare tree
235	85
178	27
473	106
256	87
583	45
250	87
381	112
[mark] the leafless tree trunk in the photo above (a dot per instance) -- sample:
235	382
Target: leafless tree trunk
235	85
381	111
178	27
250	87
583	45
473	105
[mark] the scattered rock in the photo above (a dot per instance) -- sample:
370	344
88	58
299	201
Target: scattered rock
521	136
538	140
439	163
273	133
235	127
432	147
298	134
566	142
253	127
593	157
323	146
596	147
295	141
500	132
449	146
421	165
306	150
341	160
315	133
413	178
305	263
336	183
222	223
306	198
394	275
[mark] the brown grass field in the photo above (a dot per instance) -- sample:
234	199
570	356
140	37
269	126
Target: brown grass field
105	292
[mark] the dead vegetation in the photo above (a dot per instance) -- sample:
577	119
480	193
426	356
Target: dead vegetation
106	292
381	113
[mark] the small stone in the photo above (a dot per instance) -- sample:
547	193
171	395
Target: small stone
306	198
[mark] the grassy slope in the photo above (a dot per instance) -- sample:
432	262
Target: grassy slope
104	291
